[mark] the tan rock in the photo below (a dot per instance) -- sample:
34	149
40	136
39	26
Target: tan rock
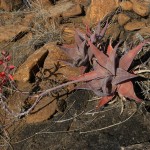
99	9
9	31
123	19
8	5
141	7
83	2
134	25
29	68
144	31
73	11
43	110
68	34
126	5
55	54
110	31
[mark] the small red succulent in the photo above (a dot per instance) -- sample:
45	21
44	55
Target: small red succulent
79	52
110	74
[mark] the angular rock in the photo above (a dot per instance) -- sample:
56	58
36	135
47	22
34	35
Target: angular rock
10	31
110	31
142	8
8	5
126	5
29	68
134	25
43	110
144	32
123	19
54	56
99	9
83	2
73	11
68	34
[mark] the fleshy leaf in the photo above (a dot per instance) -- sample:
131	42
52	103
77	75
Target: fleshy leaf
111	63
127	58
103	31
86	76
126	89
101	57
122	76
104	101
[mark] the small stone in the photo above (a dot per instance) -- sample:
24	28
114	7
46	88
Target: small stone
126	5
83	2
134	25
110	31
43	110
142	8
98	9
123	19
68	34
10	31
9	5
73	11
29	67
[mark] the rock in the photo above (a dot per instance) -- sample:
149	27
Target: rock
110	31
134	25
73	11
29	68
43	110
8	5
126	5
123	19
144	32
142	8
99	9
55	54
68	34
48	105
8	32
83	2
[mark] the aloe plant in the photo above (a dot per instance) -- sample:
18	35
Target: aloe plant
110	76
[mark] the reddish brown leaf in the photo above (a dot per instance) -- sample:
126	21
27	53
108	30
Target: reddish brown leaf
122	76
85	77
126	89
127	59
101	57
109	48
104	101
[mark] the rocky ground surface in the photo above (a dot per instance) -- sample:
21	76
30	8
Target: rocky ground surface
31	31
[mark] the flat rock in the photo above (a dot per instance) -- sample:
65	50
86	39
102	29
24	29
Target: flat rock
134	25
126	5
9	31
68	33
73	11
99	9
27	70
123	19
110	31
8	5
142	8
43	110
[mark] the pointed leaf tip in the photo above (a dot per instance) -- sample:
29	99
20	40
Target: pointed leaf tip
126	59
